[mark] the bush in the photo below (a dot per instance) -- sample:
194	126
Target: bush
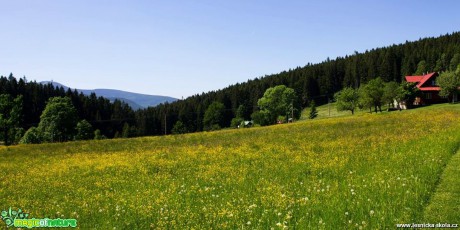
236	122
261	118
32	136
98	135
179	128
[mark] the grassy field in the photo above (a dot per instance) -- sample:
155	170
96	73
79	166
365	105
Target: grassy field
368	171
330	111
445	203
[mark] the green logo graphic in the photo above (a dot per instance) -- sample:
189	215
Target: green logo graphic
9	216
19	219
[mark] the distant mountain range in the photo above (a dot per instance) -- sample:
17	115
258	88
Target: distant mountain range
135	100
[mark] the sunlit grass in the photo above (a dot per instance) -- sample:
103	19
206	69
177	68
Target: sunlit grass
444	205
369	171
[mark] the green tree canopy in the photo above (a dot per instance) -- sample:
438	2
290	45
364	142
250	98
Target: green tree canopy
84	131
364	100
58	120
347	99
239	117
10	117
408	91
449	82
213	117
421	68
32	136
454	62
442	63
278	101
372	93
236	122
240	112
261	118
391	92
179	128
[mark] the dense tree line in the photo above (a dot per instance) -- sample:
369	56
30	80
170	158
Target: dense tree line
108	117
374	94
312	82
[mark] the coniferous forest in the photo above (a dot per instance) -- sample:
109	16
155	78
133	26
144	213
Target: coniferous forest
312	82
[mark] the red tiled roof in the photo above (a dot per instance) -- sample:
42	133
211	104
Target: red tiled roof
421	80
425	78
414	78
430	88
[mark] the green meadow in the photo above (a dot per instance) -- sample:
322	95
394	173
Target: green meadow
367	171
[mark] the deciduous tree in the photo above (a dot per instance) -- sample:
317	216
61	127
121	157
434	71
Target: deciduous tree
408	92
213	117
84	131
449	82
277	101
372	92
347	99
391	93
58	120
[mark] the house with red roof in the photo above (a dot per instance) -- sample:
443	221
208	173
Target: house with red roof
428	88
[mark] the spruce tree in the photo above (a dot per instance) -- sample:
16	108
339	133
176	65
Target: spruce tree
313	112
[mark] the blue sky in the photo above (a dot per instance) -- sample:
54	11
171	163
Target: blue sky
181	48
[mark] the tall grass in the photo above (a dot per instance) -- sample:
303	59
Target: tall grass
352	172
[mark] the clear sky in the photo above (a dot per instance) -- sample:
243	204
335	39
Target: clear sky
182	48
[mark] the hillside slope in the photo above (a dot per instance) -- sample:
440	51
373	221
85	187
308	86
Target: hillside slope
316	82
372	171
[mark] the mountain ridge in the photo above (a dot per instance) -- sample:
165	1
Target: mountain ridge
135	100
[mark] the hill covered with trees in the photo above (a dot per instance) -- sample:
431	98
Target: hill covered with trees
318	82
108	117
312	82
